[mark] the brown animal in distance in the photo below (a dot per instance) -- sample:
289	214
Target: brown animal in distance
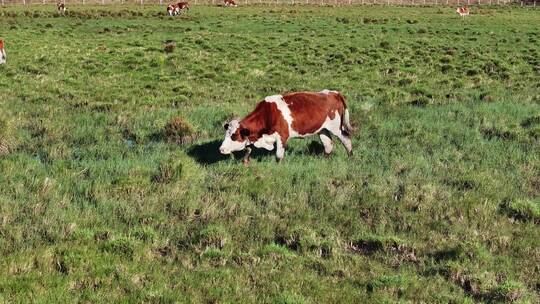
463	11
230	3
2	52
61	7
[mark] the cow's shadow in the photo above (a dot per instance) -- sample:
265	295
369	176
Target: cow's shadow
315	148
208	153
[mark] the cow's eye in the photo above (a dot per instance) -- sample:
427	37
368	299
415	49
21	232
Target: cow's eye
234	136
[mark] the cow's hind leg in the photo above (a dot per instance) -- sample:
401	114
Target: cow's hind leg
334	126
346	141
344	138
326	140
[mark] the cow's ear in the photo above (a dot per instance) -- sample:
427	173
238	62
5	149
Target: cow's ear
226	126
245	132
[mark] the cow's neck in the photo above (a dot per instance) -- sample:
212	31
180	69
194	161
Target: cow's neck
259	121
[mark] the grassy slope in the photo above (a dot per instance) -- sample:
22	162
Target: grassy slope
440	202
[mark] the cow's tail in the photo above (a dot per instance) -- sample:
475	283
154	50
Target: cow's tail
345	121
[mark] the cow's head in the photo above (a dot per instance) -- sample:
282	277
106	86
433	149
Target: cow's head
236	137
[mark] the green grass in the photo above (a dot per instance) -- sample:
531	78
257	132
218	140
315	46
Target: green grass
112	188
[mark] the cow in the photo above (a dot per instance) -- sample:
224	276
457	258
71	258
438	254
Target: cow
230	3
463	11
278	118
176	9
2	52
61	7
171	9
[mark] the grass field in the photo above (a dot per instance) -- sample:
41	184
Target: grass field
112	188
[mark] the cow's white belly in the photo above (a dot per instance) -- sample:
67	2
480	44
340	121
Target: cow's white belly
332	125
267	141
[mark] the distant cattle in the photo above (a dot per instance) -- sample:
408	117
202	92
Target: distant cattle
176	9
170	9
230	3
61	7
2	52
463	11
278	118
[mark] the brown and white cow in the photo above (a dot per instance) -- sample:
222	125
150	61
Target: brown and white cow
278	118
176	9
230	3
463	11
2	52
61	7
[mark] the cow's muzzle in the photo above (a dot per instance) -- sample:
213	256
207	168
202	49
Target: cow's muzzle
223	150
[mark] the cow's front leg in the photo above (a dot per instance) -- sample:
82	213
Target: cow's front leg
280	150
247	156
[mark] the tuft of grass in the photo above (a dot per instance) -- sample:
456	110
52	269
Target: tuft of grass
8	138
169	171
214	236
288	297
178	130
121	246
508	291
523	209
